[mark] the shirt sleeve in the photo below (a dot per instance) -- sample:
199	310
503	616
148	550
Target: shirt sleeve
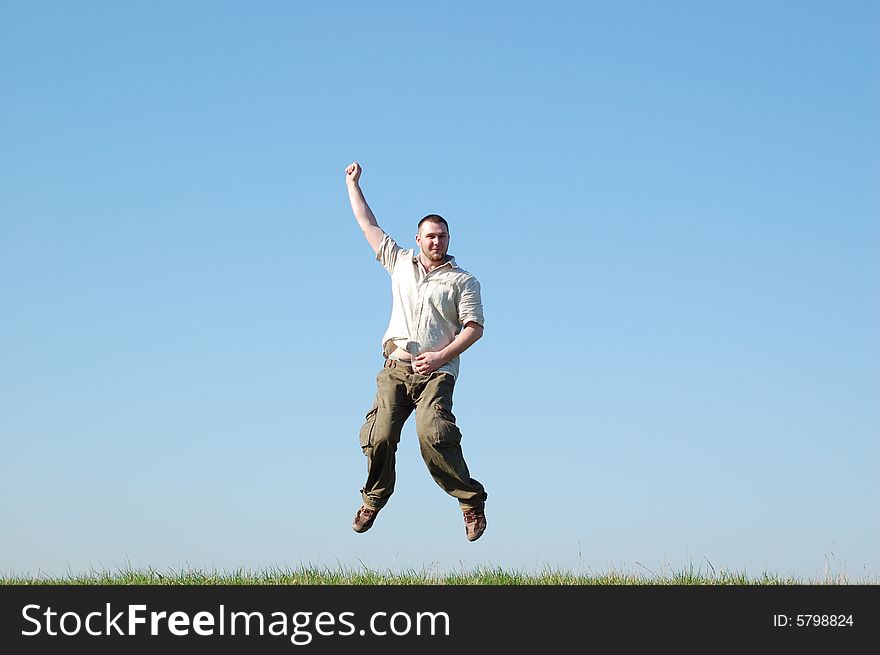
388	253
470	306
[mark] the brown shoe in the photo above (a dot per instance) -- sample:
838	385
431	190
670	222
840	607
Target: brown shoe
364	518
474	522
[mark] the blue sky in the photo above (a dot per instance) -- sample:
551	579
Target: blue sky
672	209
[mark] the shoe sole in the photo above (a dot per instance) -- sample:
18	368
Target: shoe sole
479	534
361	530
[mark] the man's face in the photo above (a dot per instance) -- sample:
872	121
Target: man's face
433	239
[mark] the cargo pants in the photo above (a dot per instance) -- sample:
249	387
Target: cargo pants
400	391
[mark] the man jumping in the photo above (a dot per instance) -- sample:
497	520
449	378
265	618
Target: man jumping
436	315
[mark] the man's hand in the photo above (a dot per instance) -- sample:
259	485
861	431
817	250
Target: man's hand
428	362
353	173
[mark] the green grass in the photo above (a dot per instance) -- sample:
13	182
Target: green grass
314	575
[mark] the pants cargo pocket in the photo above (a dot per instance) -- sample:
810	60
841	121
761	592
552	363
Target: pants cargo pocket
446	432
367	428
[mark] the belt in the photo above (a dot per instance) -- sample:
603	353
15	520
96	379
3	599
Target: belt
393	363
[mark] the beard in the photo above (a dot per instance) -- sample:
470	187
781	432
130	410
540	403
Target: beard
434	256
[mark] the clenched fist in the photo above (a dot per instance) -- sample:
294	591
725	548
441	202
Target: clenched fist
353	173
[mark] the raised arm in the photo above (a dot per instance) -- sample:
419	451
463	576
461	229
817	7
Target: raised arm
362	212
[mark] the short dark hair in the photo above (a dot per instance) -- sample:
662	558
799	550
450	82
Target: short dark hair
433	218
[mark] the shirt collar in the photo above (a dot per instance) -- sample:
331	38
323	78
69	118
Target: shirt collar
450	261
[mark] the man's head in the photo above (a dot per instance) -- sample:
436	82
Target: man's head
433	237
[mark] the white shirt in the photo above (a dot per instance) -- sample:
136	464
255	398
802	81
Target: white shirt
428	309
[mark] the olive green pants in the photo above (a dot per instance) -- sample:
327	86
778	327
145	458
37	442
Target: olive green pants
399	393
